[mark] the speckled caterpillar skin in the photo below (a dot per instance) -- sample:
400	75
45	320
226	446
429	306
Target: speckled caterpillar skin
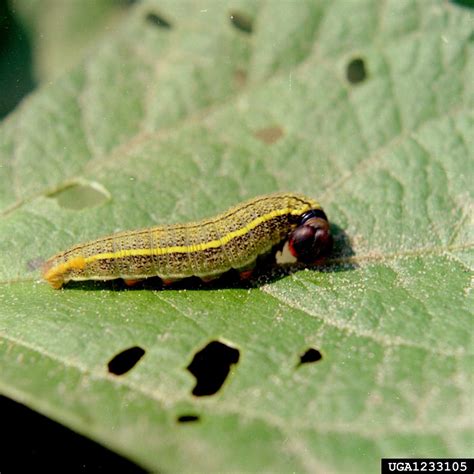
205	249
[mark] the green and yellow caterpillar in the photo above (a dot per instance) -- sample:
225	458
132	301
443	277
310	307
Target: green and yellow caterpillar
206	249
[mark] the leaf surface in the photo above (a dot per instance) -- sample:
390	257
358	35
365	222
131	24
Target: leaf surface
173	123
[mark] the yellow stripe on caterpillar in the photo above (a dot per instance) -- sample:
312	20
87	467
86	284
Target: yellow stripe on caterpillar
194	248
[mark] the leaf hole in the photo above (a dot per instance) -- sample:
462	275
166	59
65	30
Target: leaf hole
270	135
187	418
126	360
356	71
157	20
241	21
81	195
211	366
310	356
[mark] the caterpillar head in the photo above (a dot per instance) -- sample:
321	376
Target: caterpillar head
311	239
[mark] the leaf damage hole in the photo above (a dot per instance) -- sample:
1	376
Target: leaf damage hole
356	71
310	356
126	360
211	366
79	196
270	135
241	21
157	20
187	418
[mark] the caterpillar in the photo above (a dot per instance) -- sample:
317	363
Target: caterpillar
206	249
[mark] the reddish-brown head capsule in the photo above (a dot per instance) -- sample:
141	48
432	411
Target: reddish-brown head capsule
312	239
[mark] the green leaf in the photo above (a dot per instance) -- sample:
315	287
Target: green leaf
182	113
65	31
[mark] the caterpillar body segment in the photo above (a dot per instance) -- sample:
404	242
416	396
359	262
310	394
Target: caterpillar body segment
206	249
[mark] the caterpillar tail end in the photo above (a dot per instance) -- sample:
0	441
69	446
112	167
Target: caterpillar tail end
51	274
56	274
